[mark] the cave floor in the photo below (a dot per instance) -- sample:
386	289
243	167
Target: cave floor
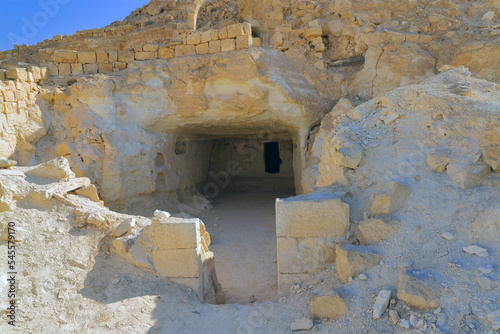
243	230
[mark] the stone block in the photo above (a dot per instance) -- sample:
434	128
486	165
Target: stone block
304	255
416	289
55	169
184	50
90	68
175	233
214	47
247	28
36	71
17	74
143	55
202	49
214	35
150	47
102	57
87	57
354	260
193	38
228	45
206	36
44	73
256	42
2	74
165	53
329	306
467	176
64	69
235	30
223	33
381	302
388	197
126	56
76	69
105	68
113	55
176	262
65	56
120	65
243	42
313	215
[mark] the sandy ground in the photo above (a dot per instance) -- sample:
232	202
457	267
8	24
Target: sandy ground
243	230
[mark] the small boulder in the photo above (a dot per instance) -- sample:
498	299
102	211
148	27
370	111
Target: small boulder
388	197
354	260
55	169
476	250
328	306
416	289
90	192
467	176
127	225
161	214
381	302
302	324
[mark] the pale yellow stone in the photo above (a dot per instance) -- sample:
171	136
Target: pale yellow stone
353	260
193	38
312	215
176	262
388	197
235	30
64	69
184	50
328	306
105	68
150	47
76	69
143	55
87	57
165	53
243	42
65	56
102	57
125	56
414	290
373	230
202	49
304	255
90	68
214	47
228	45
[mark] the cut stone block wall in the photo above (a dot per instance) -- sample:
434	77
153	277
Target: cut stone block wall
175	248
307	228
69	62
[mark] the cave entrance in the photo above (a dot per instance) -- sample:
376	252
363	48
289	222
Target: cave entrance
241	177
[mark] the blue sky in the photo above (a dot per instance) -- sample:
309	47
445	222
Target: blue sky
32	21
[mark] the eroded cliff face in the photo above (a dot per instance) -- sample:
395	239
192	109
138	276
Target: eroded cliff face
113	127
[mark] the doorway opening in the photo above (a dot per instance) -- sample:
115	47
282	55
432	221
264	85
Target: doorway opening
241	177
272	157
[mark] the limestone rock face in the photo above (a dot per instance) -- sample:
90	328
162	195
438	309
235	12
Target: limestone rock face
132	115
467	176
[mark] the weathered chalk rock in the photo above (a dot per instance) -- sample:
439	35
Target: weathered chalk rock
388	197
127	225
329	306
437	161
381	302
416	289
55	169
467	176
353	260
6	163
373	230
